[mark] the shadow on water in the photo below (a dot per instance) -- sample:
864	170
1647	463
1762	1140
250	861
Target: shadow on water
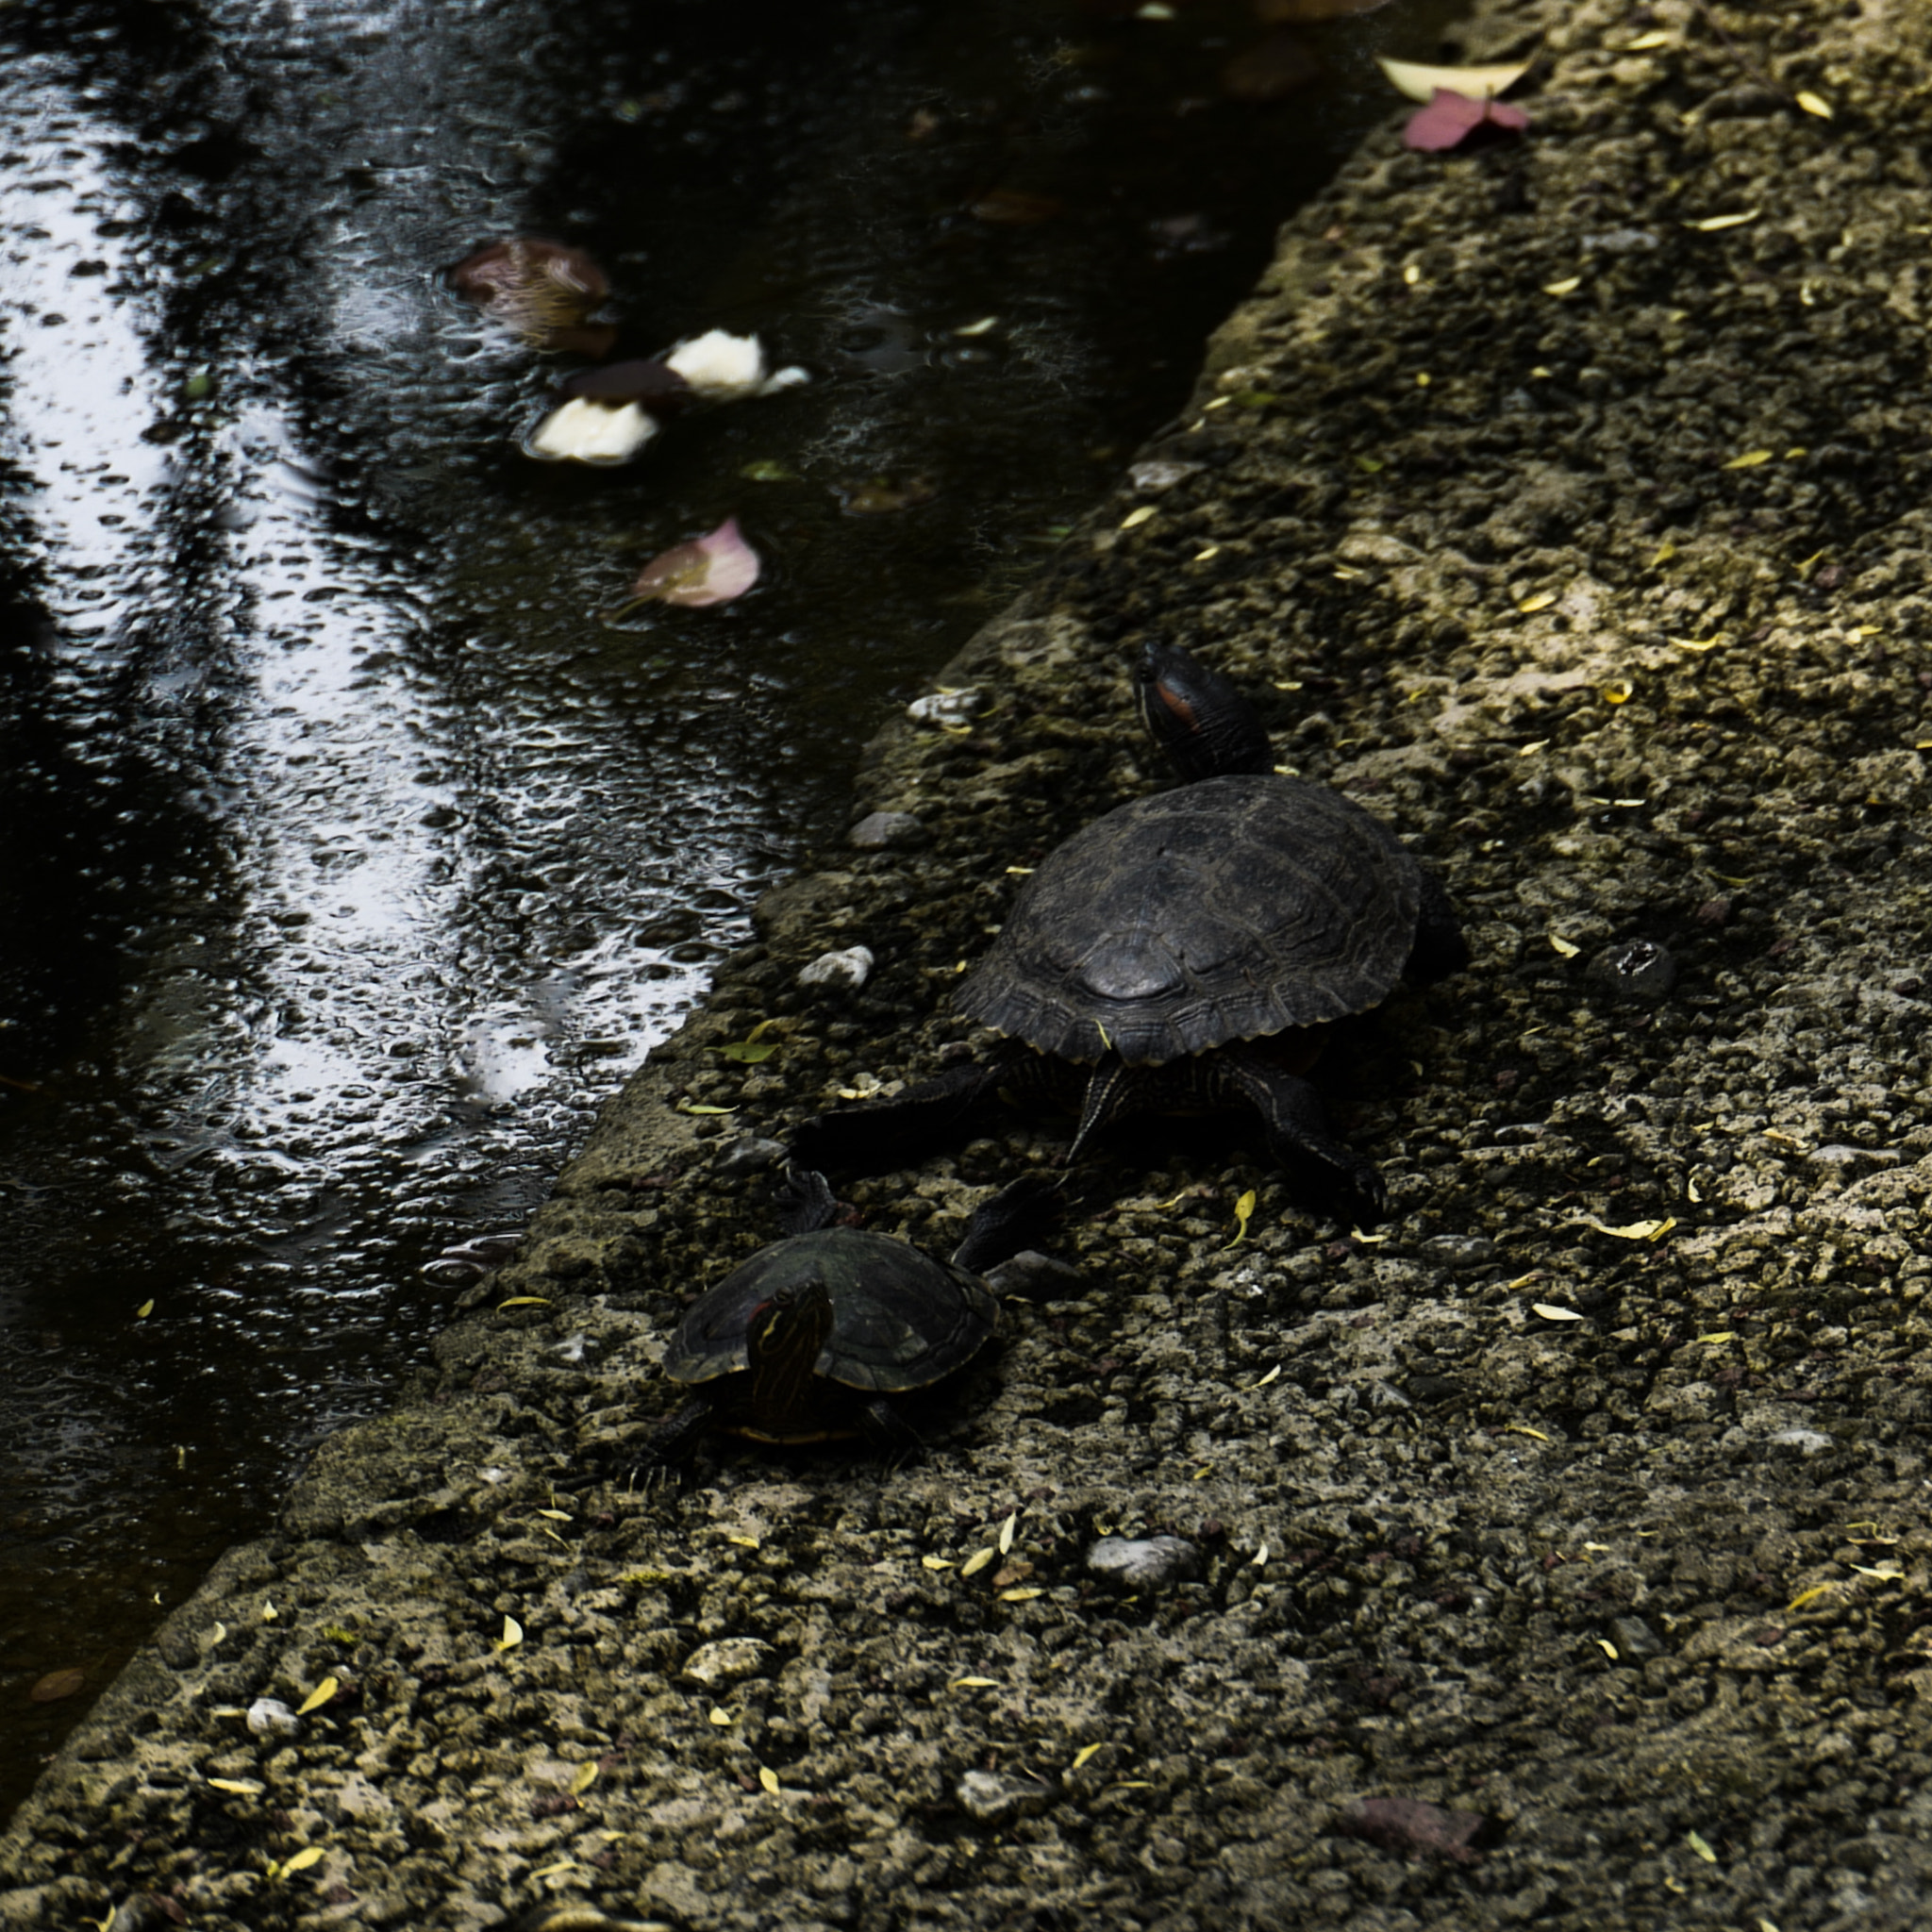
349	859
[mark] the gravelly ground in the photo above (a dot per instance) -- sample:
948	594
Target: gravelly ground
1635	1591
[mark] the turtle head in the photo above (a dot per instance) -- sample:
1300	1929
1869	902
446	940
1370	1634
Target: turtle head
1205	726
783	1341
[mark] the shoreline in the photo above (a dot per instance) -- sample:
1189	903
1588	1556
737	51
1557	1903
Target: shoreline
1560	1553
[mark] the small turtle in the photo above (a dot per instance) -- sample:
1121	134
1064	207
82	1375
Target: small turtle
1188	949
827	1332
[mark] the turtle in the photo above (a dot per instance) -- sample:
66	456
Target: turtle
831	1331
1185	953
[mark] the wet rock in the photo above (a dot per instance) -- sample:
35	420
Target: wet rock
754	1153
1635	970
1153	476
848	969
730	1661
1143	1563
1635	1637
1034	1276
988	1799
883	831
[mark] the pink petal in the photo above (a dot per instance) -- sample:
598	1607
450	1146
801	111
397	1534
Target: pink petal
1445	122
711	570
1450	118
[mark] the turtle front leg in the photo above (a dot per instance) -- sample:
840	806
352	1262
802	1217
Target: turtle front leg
890	1434
1300	1136
676	1437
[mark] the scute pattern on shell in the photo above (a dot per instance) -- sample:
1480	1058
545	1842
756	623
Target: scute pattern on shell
901	1319
1227	910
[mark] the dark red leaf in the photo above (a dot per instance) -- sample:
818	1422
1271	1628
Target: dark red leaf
1409	1824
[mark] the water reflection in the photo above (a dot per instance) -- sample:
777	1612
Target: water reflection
349	861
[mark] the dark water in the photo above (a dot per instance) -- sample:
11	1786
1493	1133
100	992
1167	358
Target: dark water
347	860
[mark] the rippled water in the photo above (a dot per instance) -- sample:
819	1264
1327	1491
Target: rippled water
347	857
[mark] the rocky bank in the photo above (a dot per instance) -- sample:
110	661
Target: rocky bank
1555	1555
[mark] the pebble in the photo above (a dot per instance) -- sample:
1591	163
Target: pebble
849	968
1807	1442
1636	970
269	1716
879	830
990	1800
1034	1277
728	1661
1146	1563
751	1155
947	706
1633	1638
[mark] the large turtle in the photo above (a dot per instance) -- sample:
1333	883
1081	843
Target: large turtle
830	1331
1187	949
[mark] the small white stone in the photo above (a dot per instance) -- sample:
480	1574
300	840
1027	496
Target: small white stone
1807	1442
730	1661
988	1799
850	969
269	1716
947	706
1143	1563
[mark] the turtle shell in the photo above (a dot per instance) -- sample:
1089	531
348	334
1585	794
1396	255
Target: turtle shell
900	1319
1227	910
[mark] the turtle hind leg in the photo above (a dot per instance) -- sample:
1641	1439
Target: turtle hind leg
878	1136
1300	1136
1439	948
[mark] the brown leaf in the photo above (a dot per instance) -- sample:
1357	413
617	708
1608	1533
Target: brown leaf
57	1685
1307	13
542	290
1014	208
1272	69
1414	1826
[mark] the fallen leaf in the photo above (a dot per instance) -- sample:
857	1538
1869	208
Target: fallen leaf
319	1696
769	1778
1410	1824
1815	103
881	497
57	1685
708	570
1568	286
1450	118
512	1634
1271	69
1082	1755
1551	1312
307	1855
1713	223
1645	43
1014	208
1562	947
543	290
1701	1847
1309	12
1750	459
1542	601
1243	1213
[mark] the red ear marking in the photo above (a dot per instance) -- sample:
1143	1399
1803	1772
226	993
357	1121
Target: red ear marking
1175	703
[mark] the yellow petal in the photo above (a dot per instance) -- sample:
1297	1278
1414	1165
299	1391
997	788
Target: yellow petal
1420	81
1710	224
1542	601
1815	103
1750	459
1551	1312
1568	286
1562	946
